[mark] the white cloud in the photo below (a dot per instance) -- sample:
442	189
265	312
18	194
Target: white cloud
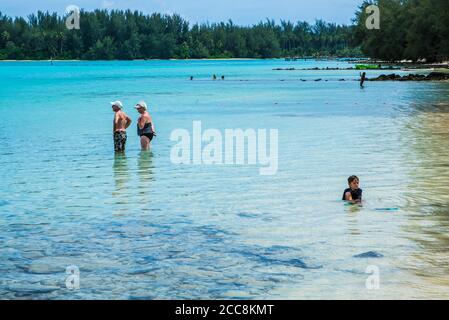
107	4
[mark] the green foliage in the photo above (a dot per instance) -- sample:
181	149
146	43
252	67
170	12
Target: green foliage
132	35
102	50
11	51
410	29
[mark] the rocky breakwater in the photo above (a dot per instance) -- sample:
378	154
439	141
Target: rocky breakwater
433	76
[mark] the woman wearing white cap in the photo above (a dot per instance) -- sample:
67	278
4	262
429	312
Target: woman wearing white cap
145	126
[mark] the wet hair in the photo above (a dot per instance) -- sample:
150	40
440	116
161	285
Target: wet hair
352	178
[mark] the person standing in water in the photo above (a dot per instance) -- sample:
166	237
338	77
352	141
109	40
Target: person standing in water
362	79
121	123
145	126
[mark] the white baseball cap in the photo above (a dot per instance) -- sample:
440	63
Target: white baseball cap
141	104
117	104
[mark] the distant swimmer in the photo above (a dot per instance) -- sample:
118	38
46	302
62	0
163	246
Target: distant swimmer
362	79
145	126
191	78
214	77
353	194
222	77
121	123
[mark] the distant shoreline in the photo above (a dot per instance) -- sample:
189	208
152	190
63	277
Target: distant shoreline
411	65
442	67
81	60
202	59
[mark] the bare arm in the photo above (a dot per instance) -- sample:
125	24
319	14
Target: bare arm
152	124
348	197
114	123
141	122
128	122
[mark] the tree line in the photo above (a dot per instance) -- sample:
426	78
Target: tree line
409	29
130	34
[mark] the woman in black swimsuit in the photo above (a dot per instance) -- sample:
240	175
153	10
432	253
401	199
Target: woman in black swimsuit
145	127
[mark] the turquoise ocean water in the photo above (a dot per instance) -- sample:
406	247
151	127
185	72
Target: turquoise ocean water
139	227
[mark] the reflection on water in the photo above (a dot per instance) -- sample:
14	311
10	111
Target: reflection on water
145	165
145	173
140	227
121	172
353	210
428	192
122	180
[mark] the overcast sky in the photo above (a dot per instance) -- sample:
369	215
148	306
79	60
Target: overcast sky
242	12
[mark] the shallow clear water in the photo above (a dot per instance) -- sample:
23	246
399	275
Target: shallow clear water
140	227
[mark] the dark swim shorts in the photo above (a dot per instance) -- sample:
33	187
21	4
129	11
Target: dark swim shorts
119	141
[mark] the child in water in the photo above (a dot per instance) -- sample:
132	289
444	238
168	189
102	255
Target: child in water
353	194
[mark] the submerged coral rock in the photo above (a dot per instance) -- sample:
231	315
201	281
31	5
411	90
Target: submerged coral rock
369	254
